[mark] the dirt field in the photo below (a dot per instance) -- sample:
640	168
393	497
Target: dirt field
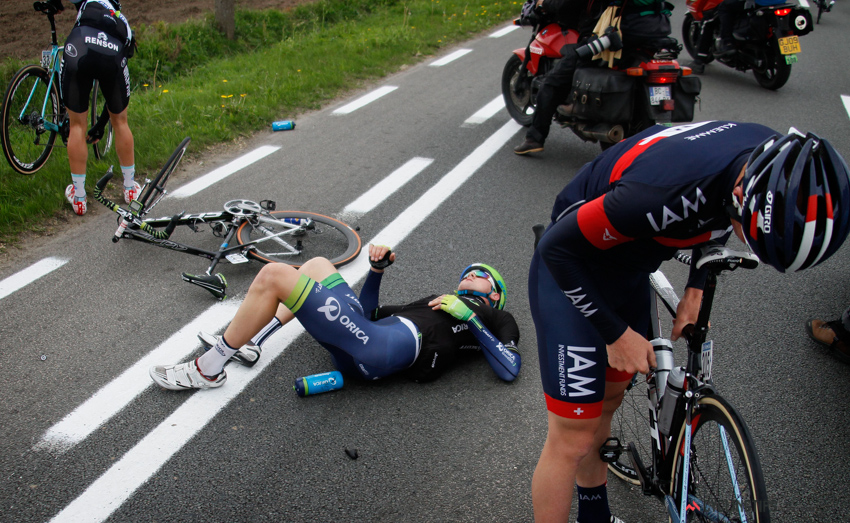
24	32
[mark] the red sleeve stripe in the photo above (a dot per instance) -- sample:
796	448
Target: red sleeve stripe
568	410
626	160
685	242
596	227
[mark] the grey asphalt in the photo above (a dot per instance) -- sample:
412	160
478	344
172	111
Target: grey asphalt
462	448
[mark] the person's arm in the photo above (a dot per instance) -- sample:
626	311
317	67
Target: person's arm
503	358
380	257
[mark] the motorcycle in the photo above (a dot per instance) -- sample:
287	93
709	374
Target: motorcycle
766	37
605	105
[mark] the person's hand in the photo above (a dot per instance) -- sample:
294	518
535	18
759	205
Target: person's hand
380	257
453	305
687	311
631	353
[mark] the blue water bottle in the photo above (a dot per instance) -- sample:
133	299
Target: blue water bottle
318	383
283	125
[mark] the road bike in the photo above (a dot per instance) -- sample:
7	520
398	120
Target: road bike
250	230
674	435
33	110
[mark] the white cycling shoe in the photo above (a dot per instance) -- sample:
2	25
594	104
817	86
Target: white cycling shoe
248	354
184	376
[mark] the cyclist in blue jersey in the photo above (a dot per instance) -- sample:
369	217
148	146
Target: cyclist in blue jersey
364	339
627	211
97	48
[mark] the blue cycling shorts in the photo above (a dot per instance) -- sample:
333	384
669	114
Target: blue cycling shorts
573	356
332	314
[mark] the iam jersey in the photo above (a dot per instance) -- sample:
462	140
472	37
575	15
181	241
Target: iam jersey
639	202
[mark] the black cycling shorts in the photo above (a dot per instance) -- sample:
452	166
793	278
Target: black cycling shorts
92	55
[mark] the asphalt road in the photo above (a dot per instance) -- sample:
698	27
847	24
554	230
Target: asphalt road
85	437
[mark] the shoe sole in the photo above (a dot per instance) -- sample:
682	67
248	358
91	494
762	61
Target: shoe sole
529	151
167	385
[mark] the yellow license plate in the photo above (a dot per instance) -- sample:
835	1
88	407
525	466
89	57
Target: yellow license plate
789	45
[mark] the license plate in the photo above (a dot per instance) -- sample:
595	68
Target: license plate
657	94
789	45
236	258
790	59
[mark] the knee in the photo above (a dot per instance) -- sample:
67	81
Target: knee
272	276
573	443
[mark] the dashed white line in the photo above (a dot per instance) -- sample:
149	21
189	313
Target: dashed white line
511	29
846	100
141	462
381	191
366	99
803	3
26	276
486	112
199	184
450	57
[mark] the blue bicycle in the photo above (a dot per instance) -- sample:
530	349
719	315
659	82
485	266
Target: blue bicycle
33	110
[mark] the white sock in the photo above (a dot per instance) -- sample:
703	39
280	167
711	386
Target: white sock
212	362
79	185
270	328
129	173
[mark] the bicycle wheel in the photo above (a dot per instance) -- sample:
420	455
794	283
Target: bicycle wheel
96	109
26	142
630	424
725	477
155	190
325	237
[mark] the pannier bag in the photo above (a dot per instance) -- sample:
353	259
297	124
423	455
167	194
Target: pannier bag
602	94
685	93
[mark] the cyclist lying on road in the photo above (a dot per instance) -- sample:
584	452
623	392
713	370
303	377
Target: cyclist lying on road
365	340
625	213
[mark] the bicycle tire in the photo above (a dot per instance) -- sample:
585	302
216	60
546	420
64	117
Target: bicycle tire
21	136
339	243
155	190
630	424
102	147
711	484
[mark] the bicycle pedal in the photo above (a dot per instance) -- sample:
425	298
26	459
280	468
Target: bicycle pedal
610	451
215	284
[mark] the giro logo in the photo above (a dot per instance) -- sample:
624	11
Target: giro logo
333	313
331	309
768	213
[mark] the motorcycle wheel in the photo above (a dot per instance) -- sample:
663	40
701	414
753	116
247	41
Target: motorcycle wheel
777	73
519	104
690	35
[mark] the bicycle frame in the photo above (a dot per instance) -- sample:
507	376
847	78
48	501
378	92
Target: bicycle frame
50	61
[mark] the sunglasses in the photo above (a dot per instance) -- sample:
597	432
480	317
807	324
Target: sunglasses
483	275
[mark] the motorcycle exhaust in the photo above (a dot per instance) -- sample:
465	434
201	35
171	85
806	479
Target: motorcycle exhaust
602	132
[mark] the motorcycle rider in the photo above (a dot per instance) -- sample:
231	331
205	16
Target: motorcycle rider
642	21
726	13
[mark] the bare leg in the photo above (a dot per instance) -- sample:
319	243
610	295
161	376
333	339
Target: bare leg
124	142
78	152
592	471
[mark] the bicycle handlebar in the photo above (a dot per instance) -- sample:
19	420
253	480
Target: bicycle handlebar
127	216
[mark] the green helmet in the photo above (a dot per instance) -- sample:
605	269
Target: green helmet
497	279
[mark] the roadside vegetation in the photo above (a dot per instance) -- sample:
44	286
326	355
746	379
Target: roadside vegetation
188	80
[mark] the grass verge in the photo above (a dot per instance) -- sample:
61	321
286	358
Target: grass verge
190	81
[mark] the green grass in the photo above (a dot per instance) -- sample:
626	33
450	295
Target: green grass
190	81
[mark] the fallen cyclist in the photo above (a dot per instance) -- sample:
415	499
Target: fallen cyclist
423	337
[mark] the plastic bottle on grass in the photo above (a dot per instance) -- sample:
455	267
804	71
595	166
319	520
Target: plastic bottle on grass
283	125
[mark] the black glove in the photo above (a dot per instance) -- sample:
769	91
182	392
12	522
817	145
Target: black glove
384	262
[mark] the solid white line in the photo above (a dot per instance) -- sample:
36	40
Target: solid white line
512	28
450	58
114	396
381	191
199	184
486	112
846	100
365	99
30	274
141	462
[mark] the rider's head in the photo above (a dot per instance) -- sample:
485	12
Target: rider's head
794	201
483	280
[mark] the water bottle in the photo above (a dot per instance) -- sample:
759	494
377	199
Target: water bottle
663	362
295	221
283	125
671	399
318	383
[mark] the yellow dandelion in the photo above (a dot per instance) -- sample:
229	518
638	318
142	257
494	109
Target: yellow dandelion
243	95
165	90
225	81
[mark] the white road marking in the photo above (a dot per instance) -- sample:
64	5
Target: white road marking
484	114
450	58
803	3
846	100
366	99
109	400
381	191
511	28
26	276
199	184
141	462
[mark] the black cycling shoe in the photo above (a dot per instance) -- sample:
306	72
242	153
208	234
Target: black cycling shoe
726	48
529	146
696	66
215	284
